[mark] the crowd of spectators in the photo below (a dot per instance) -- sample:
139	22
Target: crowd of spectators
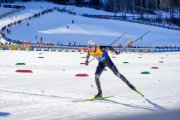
6	29
14	8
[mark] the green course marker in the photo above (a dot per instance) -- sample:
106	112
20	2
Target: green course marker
40	57
20	64
145	72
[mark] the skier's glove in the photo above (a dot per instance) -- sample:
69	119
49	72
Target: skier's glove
86	63
117	52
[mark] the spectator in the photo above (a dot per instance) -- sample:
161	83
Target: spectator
41	40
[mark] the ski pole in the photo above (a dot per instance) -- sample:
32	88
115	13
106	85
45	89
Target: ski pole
112	43
141	36
118	38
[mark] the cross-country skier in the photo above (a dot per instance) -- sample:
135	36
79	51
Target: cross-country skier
101	54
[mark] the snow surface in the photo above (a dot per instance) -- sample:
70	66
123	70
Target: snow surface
51	91
4	10
52	27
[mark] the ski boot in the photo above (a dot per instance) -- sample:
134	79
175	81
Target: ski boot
98	95
131	86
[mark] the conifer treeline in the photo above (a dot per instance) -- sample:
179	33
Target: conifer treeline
161	10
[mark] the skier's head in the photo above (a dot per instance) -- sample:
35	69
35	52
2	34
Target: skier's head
91	45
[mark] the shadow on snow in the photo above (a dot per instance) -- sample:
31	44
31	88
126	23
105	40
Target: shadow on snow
155	107
4	114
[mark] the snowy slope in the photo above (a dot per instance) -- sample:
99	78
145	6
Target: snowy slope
31	9
4	10
51	90
52	27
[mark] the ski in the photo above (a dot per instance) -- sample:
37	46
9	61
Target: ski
138	92
93	99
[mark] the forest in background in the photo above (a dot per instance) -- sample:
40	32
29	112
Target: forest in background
158	11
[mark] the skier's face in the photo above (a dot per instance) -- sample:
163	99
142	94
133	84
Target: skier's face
91	48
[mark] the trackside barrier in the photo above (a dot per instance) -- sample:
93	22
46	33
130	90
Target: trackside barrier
79	49
54	49
130	19
11	12
163	49
14	47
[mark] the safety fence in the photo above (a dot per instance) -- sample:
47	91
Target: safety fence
131	19
77	48
82	48
153	49
11	12
14	47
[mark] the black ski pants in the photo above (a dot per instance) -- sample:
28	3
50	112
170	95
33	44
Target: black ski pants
100	68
